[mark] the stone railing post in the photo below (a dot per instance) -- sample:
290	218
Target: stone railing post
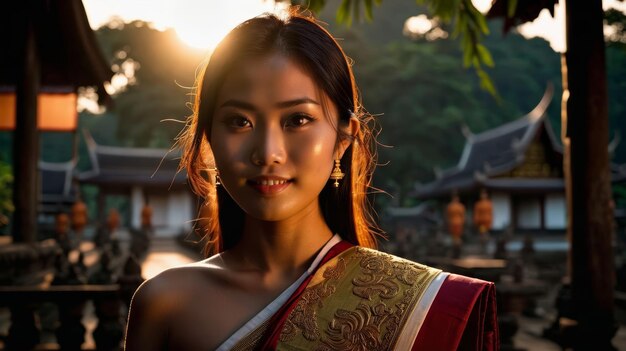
23	333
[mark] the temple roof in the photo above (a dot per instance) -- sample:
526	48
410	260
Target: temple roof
57	190
70	55
124	166
495	152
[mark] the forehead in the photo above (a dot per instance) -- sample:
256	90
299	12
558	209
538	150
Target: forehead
272	77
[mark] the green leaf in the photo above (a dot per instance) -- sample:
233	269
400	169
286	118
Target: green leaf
468	53
315	6
461	26
369	13
446	10
474	16
484	55
479	18
357	10
475	61
487	84
343	13
511	7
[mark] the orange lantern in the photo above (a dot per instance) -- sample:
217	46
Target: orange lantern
146	217
61	224
113	221
79	216
55	111
483	213
455	216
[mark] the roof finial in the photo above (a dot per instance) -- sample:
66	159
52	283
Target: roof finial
466	131
540	110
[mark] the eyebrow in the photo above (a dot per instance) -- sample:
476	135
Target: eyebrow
284	104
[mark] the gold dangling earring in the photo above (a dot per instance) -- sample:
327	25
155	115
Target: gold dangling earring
217	177
337	174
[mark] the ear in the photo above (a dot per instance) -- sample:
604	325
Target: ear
348	134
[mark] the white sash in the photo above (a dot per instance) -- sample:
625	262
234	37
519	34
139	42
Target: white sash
275	305
418	315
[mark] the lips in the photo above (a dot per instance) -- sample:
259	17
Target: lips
269	185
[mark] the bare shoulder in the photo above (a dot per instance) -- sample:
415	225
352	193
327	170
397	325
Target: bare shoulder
172	286
162	299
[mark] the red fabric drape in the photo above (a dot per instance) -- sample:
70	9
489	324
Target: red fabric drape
462	317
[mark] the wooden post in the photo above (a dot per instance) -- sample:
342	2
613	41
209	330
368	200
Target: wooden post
26	141
588	181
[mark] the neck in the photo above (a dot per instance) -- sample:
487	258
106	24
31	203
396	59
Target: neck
282	247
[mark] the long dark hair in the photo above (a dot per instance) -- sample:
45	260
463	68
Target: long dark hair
297	36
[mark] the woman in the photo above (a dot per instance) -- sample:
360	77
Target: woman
279	147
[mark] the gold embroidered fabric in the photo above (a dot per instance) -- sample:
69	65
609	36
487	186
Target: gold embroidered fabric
359	300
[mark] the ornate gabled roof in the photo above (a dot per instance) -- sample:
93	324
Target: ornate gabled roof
493	152
124	166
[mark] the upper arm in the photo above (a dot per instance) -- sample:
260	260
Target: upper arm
148	313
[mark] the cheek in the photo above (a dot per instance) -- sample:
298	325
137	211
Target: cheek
316	150
227	151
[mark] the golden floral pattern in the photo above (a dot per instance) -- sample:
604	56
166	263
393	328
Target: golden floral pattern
356	330
303	317
363	302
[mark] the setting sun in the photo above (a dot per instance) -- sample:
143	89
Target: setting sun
198	23
204	27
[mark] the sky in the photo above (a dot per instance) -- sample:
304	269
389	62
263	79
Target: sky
202	23
199	23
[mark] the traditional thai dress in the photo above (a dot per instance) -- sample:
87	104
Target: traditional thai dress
354	298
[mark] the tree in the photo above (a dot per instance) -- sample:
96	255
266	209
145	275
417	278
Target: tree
164	69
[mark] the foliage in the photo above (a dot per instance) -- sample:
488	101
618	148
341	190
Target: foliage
6	194
617	21
166	70
425	96
522	70
619	195
467	21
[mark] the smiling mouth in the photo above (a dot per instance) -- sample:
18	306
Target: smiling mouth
269	186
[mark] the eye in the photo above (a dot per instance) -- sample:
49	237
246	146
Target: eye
298	120
238	122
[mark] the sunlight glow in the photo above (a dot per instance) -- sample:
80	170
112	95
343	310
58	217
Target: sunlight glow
418	24
198	23
88	101
547	27
482	5
422	27
206	27
157	262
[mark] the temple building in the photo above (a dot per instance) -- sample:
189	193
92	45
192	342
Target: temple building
142	175
519	164
58	190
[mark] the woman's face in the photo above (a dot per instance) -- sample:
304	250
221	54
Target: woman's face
272	141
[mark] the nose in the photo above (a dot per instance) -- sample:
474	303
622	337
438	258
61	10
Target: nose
269	147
